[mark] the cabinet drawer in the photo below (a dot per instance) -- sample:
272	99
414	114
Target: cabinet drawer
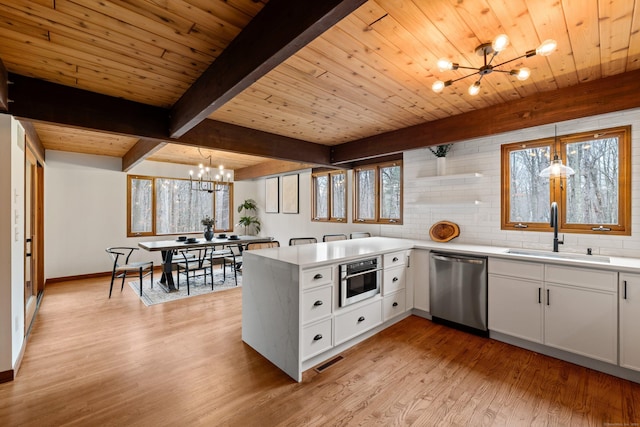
393	279
317	276
316	303
393	259
355	322
521	269
393	305
582	277
316	338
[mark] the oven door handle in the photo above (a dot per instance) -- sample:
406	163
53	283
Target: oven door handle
360	273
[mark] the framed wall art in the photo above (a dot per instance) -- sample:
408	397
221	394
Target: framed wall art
290	194
272	195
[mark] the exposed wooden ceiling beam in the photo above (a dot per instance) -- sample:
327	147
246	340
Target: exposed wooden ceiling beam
279	30
270	167
140	151
226	137
583	100
4	87
43	101
38	100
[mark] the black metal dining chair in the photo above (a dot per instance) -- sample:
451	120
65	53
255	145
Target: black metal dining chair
192	261
122	266
333	237
302	241
359	235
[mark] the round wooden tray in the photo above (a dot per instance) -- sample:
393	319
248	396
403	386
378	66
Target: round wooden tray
444	231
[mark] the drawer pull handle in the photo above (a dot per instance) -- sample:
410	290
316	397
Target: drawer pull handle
395	279
360	319
625	289
317	303
395	304
539	295
395	259
317	337
317	276
548	299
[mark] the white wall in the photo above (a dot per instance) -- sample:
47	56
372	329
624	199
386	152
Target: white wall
481	223
11	242
86	211
85	202
282	226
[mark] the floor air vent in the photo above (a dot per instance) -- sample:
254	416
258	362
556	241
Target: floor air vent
324	366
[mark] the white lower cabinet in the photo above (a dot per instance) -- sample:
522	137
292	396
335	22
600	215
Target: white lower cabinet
582	321
629	294
356	321
419	272
316	338
569	308
515	307
393	305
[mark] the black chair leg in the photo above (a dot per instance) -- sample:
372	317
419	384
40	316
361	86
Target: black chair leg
140	281
124	276
113	277
235	274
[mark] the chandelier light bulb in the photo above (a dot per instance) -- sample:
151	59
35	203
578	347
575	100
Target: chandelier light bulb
444	64
220	168
523	74
546	48
217	177
500	43
474	89
191	173
437	86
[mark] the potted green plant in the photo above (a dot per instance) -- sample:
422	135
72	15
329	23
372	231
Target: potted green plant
247	220
441	153
208	223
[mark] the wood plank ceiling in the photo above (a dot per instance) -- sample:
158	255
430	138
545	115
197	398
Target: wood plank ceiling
368	75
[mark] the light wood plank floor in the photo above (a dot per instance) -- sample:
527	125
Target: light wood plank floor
94	361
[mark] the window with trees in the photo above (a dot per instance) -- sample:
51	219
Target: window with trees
159	206
378	193
329	196
596	199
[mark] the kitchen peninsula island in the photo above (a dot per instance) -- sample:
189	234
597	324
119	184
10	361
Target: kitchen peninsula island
291	312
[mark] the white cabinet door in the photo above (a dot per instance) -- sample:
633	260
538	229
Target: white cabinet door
582	321
516	307
629	321
419	272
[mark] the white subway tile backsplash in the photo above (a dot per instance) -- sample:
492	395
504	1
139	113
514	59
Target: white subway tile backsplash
427	202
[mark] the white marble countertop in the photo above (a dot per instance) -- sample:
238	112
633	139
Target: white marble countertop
306	256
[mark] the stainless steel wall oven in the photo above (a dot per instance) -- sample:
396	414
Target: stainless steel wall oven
360	280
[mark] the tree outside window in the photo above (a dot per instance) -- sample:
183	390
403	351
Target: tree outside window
378	193
173	208
596	199
329	197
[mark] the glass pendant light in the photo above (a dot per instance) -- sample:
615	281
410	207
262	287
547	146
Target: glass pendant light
556	168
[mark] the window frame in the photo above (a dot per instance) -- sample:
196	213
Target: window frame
378	219
154	202
314	196
558	185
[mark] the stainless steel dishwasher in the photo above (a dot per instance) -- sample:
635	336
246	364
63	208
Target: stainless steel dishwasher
458	291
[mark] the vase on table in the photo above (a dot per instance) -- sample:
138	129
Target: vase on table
208	234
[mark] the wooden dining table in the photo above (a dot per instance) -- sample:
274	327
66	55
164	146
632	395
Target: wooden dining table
169	247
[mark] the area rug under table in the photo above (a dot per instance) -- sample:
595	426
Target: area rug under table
157	295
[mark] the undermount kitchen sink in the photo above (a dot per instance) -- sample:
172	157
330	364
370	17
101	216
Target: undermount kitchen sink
559	255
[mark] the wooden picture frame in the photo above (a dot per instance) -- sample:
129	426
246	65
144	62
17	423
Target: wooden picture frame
272	195
290	194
